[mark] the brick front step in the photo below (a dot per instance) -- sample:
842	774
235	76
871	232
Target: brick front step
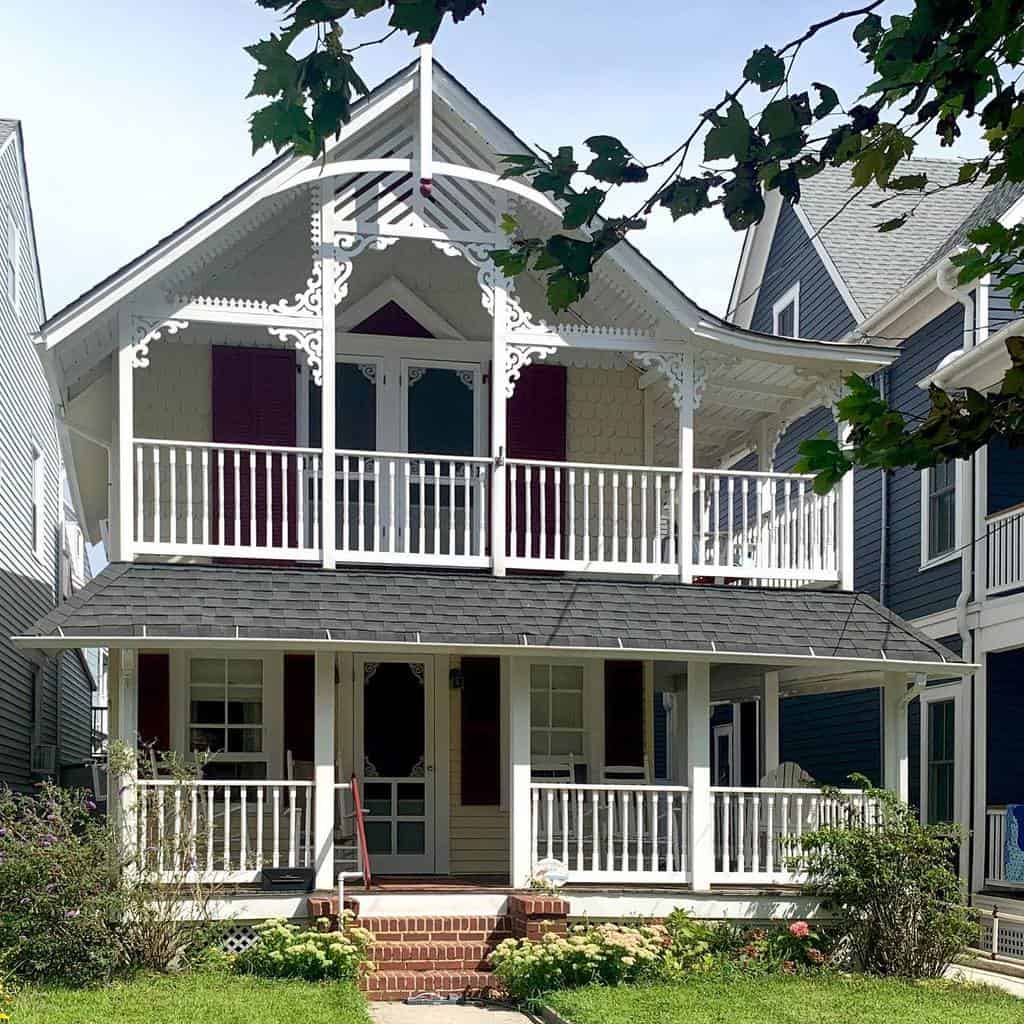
392	986
427	956
438	929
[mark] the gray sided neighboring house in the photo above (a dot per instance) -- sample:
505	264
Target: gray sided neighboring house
45	708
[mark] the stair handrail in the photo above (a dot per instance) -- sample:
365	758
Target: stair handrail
364	852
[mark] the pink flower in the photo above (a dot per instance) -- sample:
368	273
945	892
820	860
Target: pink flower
799	929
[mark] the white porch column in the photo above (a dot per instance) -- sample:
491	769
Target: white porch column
499	429
896	760
121	500
687	405
329	270
124	724
698	760
519	748
845	523
770	717
323	772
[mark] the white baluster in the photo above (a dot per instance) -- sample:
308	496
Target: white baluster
300	501
285	510
189	509
586	515
542	501
602	555
629	518
670	860
528	511
236	457
268	499
550	821
615	556
210	820
557	551
227	828
534	823
571	514
654	799
276	827
243	814
423	507
563	796
259	827
392	515
513	491
205	459
624	836
595	850
157	533
467	506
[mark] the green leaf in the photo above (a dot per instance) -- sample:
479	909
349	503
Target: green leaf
908	183
765	68
509	224
828	100
730	136
893	224
686	196
612	161
582	208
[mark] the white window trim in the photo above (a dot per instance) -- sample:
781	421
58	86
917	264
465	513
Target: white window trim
953	691
947	556
789	298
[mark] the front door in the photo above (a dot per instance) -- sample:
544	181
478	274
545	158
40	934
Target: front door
395	761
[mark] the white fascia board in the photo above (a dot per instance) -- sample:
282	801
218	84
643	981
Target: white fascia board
833	270
982	367
757	245
272	179
935	669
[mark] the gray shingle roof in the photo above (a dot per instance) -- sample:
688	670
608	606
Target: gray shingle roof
7	129
876	266
476	609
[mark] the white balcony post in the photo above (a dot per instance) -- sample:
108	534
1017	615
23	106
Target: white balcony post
698	758
329	509
687	405
499	428
844	524
896	761
519	748
323	772
122	785
122	493
979	762
771	721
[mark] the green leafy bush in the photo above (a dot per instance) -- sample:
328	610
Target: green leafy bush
58	903
888	880
287	951
604	954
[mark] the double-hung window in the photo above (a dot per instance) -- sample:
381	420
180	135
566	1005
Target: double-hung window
226	716
556	711
938	496
786	314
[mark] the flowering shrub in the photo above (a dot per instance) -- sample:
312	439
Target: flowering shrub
58	905
5	1001
286	951
703	945
605	954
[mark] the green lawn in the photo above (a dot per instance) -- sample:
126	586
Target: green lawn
205	998
781	1000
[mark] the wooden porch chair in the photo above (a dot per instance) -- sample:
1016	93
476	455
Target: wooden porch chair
787	775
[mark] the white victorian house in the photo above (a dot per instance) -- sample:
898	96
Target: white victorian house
377	519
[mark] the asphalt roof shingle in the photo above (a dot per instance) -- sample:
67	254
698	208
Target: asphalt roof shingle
874	265
475	609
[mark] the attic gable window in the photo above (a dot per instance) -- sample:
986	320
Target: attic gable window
786	314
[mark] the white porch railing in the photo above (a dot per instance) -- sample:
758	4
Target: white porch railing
592	517
755	829
220	831
612	833
412	509
246	501
995	849
764	525
1004	544
200	499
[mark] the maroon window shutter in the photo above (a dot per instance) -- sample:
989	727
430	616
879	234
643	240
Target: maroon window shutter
624	713
299	705
253	402
154	714
537	430
481	732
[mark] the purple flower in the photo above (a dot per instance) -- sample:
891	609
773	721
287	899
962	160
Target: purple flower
90	805
72	913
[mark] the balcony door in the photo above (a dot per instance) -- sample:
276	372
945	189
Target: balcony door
395	762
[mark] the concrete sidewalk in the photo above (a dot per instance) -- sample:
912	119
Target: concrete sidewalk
452	1013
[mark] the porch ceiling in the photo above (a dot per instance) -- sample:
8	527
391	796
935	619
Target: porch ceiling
154	605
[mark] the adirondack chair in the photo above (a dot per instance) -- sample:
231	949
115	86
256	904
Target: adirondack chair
788	775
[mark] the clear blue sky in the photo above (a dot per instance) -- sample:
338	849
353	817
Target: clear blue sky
135	118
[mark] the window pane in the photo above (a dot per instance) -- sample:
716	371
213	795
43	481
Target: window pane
539	709
378	837
787	322
206	740
566	742
246	672
206	712
540	677
244	712
942	523
538	742
567	677
355	403
377	797
245	741
412	837
207	670
440	410
567	710
411	799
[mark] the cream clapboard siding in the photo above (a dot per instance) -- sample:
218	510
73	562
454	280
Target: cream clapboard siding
478	836
172	394
28	581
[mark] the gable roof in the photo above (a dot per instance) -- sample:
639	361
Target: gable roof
240	604
876	265
7	128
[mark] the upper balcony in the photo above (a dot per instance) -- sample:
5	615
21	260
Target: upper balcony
326	366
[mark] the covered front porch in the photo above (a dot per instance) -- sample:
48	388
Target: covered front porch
492	727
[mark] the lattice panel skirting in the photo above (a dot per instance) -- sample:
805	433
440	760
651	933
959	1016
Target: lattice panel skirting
238	938
1011	939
